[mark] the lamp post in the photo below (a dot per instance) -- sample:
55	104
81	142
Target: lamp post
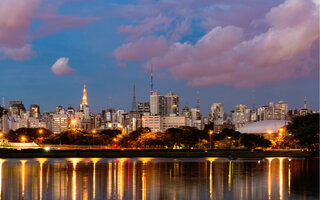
40	132
74	122
210	133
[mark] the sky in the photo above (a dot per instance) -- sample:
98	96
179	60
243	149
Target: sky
228	51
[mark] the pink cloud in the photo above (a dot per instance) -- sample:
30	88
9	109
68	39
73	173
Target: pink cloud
15	20
20	53
61	67
225	56
142	49
147	26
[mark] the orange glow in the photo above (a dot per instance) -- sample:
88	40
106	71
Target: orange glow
211	159
1	134
94	131
41	161
74	177
281	179
40	131
73	121
145	160
269	177
23	139
269	132
23	162
211	132
94	160
1	163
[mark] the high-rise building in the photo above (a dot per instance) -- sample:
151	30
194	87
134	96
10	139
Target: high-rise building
84	107
59	123
241	116
171	104
217	114
16	108
157	104
143	107
34	111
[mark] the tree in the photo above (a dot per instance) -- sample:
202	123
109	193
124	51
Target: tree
30	134
252	141
306	130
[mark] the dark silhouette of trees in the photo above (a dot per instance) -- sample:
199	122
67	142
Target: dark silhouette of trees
305	129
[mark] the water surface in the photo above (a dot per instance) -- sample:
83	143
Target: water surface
159	178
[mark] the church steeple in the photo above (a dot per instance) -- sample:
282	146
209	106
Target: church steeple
84	98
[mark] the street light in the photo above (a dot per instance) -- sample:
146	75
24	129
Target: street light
40	131
1	134
210	133
74	123
23	139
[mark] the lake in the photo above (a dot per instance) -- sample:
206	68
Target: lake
159	178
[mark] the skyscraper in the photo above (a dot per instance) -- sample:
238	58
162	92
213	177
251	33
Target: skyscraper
84	107
156	104
171	104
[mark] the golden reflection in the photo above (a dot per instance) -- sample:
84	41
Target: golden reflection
23	162
211	159
94	160
1	163
289	179
229	176
281	178
109	179
144	180
210	179
41	161
269	177
120	180
134	181
74	177
145	160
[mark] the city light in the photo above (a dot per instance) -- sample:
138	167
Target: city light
23	139
1	134
40	131
94	131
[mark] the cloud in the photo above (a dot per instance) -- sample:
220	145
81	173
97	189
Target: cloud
142	49
61	67
20	53
284	47
16	18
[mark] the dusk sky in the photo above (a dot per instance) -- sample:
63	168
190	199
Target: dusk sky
228	51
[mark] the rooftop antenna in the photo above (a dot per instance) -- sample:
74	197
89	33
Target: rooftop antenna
3	105
134	104
151	84
254	104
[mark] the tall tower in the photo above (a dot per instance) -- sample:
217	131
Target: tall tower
84	98
305	103
151	85
134	104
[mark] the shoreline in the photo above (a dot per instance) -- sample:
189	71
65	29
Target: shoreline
118	153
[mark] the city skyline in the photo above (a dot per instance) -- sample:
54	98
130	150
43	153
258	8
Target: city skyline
59	45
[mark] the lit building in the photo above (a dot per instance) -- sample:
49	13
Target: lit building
143	107
59	123
171	104
34	111
16	108
241	116
274	111
217	114
161	123
84	107
157	104
196	118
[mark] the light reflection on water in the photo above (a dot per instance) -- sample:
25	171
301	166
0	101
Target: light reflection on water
159	178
